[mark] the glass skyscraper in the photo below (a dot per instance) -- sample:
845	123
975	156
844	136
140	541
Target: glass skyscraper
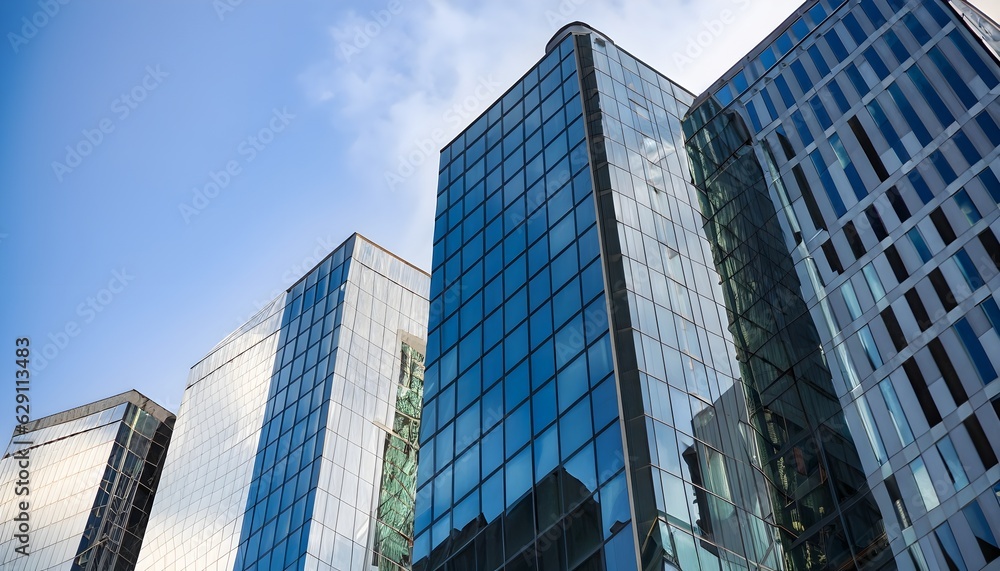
848	171
582	409
87	478
780	358
296	441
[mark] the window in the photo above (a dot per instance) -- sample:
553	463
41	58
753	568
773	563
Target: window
968	269
942	289
951	378
896	412
910	115
987	373
898	204
892	326
981	442
967	207
874	282
923	394
854	240
871	349
868	148
896	263
917	240
943	226
953	463
887	130
949	548
924	484
958	85
930	95
851	299
981	529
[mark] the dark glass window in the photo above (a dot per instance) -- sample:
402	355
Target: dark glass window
952	77
784	91
807	196
868	148
892	326
923	394
920	185
896	263
875	60
987	373
916	28
817	57
831	257
981	529
951	378
854	28
992	246
896	46
918	309
969	270
802	127
949	546
942	289
985	72
874	14
965	146
981	442
820	111
836	45
801	76
876	223
898	204
854	240
943	226
945	169
930	95
909	114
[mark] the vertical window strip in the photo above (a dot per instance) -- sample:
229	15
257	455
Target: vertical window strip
896	412
974	348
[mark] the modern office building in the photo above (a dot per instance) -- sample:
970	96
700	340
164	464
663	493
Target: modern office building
784	365
582	407
295	445
848	172
76	487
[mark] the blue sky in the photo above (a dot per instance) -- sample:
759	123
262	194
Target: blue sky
168	167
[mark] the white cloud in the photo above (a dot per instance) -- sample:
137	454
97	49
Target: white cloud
405	85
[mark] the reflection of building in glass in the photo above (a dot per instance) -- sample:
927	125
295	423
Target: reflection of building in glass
294	444
581	318
91	475
847	169
788	363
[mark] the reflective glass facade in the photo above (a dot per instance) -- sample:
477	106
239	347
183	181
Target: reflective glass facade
581	410
285	424
92	473
848	171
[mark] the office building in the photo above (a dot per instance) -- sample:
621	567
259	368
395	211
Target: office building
784	365
582	407
76	487
848	171
295	445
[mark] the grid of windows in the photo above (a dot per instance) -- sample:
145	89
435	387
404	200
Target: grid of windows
283	425
896	197
94	472
521	451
